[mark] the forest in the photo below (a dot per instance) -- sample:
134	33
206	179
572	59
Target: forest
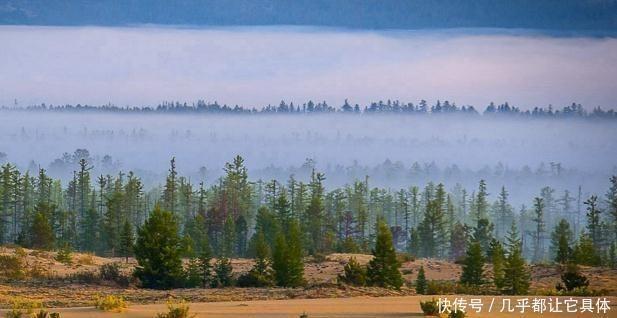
235	216
390	106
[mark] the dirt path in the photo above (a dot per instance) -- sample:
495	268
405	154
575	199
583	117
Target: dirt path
407	306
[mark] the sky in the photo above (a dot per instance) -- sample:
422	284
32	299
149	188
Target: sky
257	66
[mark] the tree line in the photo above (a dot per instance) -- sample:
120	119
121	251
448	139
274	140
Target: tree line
236	217
380	107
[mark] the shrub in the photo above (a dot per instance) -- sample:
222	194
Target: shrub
430	307
65	255
572	279
45	314
11	267
85	259
304	315
110	303
354	273
176	310
441	287
85	276
255	279
457	314
21	306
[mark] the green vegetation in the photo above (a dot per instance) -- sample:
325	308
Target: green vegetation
110	303
383	269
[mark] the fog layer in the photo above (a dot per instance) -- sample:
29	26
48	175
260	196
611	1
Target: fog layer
260	66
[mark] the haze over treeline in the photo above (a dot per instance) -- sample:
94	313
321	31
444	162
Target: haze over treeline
393	150
259	66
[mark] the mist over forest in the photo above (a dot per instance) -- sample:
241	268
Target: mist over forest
394	151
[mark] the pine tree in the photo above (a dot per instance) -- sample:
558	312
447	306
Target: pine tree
223	270
516	277
593	222
421	283
261	275
158	251
538	234
473	266
483	234
42	233
170	192
585	252
126	240
498	260
383	269
561	242
287	258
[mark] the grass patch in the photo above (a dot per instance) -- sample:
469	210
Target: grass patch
176	310
110	303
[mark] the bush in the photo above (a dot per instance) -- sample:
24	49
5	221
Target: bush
304	315
85	259
85	277
110	303
354	273
65	255
457	314
441	287
111	272
176	310
21	306
572	279
255	279
430	307
44	314
11	267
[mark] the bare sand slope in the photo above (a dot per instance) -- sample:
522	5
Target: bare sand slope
407	306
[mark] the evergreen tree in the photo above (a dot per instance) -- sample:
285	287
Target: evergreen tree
421	283
42	233
538	234
585	252
593	222
498	260
287	260
261	275
516	279
561	242
383	269
223	271
483	234
158	251
170	192
473	266
126	240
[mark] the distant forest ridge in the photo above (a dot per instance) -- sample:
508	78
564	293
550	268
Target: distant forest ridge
389	107
357	14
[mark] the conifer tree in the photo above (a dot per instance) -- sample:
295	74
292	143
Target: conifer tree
42	233
594	228
473	266
561	242
223	270
421	283
287	260
516	277
126	240
538	234
383	269
261	275
498	260
158	251
585	252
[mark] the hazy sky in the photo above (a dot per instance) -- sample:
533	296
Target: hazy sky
258	66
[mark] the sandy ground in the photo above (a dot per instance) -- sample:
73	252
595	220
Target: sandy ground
407	306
